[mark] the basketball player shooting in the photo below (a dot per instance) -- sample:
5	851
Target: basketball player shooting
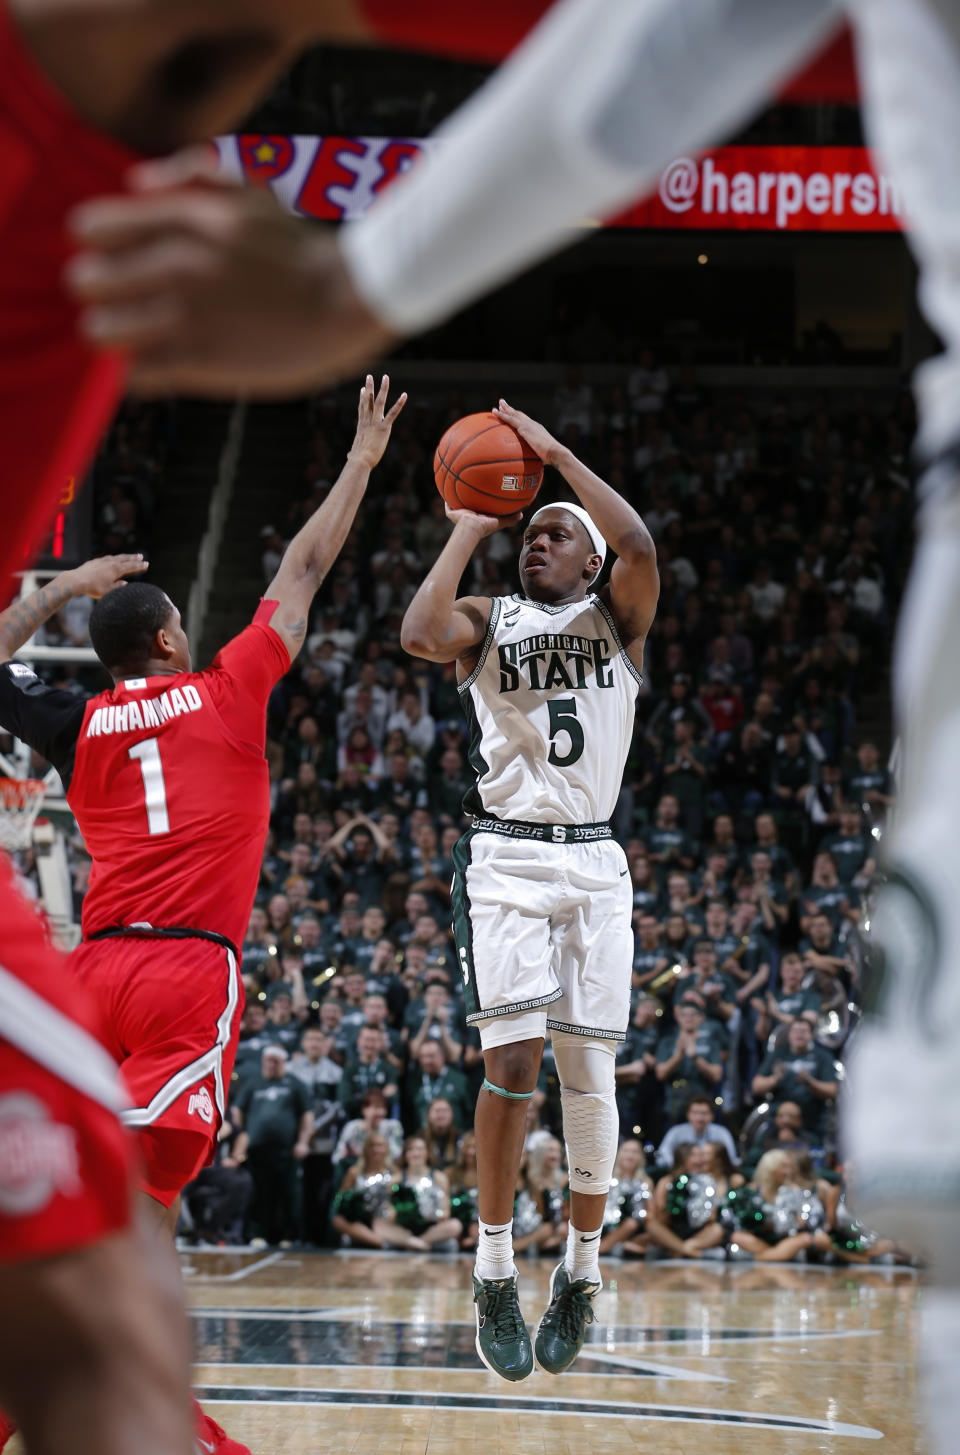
581	120
166	775
542	897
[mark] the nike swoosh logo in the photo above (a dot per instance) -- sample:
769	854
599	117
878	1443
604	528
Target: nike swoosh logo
203	1444
624	871
594	1239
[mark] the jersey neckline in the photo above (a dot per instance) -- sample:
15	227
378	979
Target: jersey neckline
551	607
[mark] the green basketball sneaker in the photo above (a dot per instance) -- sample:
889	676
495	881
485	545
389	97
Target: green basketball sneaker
561	1331
502	1339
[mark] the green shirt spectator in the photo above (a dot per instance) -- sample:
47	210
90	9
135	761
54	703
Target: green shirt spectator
801	1071
825	894
666	841
690	1059
429	1078
367	1069
790	1001
446	789
273	1108
850	846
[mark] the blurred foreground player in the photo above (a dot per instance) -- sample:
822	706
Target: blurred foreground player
167	778
94	1348
542	898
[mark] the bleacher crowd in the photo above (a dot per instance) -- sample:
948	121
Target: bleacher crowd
751	813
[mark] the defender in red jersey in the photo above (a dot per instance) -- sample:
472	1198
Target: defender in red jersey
170	788
166	775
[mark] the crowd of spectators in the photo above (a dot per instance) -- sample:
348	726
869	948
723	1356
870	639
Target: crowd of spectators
752	806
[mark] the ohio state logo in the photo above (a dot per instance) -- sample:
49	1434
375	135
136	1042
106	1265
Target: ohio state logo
38	1157
201	1105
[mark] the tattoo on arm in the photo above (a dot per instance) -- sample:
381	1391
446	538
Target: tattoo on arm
296	629
19	622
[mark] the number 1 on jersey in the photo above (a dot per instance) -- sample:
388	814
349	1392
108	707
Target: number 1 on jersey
147	754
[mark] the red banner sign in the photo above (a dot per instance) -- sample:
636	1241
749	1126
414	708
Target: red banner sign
776	189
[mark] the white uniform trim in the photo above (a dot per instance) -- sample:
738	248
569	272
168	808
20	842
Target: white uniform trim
55	1042
630	665
198	1070
492	620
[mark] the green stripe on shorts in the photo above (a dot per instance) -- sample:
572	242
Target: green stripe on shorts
462	926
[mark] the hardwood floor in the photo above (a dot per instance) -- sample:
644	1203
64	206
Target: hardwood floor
373	1355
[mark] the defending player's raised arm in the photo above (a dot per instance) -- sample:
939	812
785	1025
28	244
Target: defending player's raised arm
314	549
437	625
634	580
94	578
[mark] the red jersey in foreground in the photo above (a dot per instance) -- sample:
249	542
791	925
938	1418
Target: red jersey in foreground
57	394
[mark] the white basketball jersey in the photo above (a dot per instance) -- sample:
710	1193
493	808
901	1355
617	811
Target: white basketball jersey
550	706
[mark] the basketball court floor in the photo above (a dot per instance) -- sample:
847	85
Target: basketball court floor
373	1355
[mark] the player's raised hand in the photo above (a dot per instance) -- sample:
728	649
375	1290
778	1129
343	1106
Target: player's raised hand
212	288
95	578
540	440
374	422
482	525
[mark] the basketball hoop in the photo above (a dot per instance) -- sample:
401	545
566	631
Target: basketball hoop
20	802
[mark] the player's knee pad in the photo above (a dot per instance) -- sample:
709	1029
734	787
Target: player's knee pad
588	1099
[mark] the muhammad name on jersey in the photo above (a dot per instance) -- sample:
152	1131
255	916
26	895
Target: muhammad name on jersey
554	659
129	717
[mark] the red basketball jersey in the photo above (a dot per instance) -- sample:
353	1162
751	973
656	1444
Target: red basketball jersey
57	394
171	791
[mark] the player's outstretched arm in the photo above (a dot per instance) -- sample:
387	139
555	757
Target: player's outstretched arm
314	549
634	581
94	578
436	625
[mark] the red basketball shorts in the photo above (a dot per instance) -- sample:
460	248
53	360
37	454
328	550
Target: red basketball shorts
169	1011
66	1162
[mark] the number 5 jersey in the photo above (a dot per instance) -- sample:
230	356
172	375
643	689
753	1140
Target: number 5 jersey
550	705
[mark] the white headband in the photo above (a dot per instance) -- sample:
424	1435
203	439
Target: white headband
586	520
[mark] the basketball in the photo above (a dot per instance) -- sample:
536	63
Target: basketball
482	464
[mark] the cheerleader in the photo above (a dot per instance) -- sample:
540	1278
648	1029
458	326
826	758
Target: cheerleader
365	1194
463	1187
851	1241
721	1169
625	1215
775	1217
539	1210
419	1203
685	1218
440	1135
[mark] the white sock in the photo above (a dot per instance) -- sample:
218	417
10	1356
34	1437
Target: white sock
495	1250
583	1250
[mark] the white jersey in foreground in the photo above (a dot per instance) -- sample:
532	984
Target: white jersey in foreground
550	705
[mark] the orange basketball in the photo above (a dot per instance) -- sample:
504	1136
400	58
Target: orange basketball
482	464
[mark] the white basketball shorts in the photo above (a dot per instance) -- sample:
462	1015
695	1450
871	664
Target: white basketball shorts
543	930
